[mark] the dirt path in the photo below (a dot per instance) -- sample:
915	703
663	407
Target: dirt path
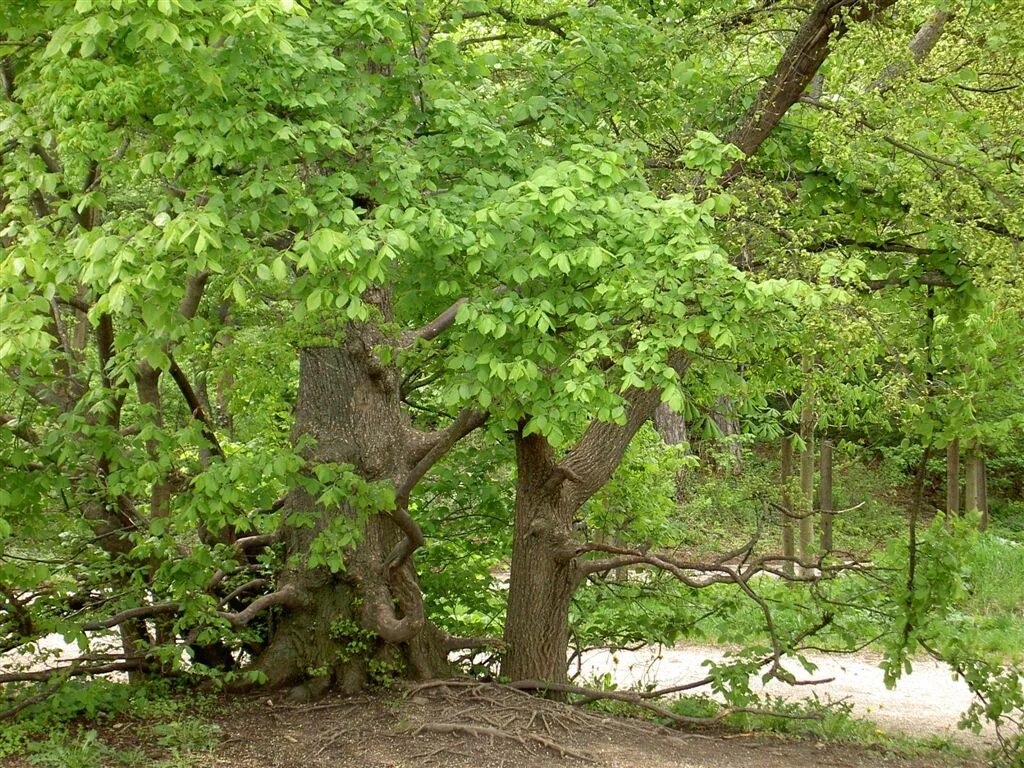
927	702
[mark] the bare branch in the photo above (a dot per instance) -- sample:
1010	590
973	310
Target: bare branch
195	407
453	643
435	327
468	420
74	669
638	700
288	596
193	294
142	612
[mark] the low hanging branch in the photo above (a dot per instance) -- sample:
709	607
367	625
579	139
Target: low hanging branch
644	702
288	596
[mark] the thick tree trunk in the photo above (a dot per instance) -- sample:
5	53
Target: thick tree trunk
346	626
545	573
543	577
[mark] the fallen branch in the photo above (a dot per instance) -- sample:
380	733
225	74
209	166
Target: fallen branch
643	701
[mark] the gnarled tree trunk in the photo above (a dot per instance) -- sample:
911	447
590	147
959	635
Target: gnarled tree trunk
342	626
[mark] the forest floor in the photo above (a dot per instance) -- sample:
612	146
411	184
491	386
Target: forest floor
472	725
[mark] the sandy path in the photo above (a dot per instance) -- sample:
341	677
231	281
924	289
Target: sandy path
927	702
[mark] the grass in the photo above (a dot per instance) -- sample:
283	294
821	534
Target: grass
801	720
996	595
105	725
179	742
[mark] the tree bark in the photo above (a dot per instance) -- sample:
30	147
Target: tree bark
972	491
953	478
670	425
806	473
824	24
786	478
724	417
924	41
825	494
543	578
976	492
369	615
544	573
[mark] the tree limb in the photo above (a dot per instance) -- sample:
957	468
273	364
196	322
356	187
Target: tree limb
435	327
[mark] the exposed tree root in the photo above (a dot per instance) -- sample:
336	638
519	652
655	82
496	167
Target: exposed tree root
492	732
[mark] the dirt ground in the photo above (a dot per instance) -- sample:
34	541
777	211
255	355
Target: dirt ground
484	726
470	725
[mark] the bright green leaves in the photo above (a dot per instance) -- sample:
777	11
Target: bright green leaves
595	281
707	153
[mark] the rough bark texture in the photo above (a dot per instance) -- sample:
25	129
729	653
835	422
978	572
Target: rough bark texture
345	623
544	573
542	578
670	425
824	24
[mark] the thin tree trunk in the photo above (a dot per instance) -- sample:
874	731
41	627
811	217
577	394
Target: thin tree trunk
924	41
825	495
786	479
983	491
972	492
806	473
670	425
953	478
725	418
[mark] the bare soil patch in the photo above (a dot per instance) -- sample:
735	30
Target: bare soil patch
487	726
468	725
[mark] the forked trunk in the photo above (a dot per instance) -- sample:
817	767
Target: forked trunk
543	575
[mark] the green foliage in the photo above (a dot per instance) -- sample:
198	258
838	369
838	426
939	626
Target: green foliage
565	181
467	509
59	751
